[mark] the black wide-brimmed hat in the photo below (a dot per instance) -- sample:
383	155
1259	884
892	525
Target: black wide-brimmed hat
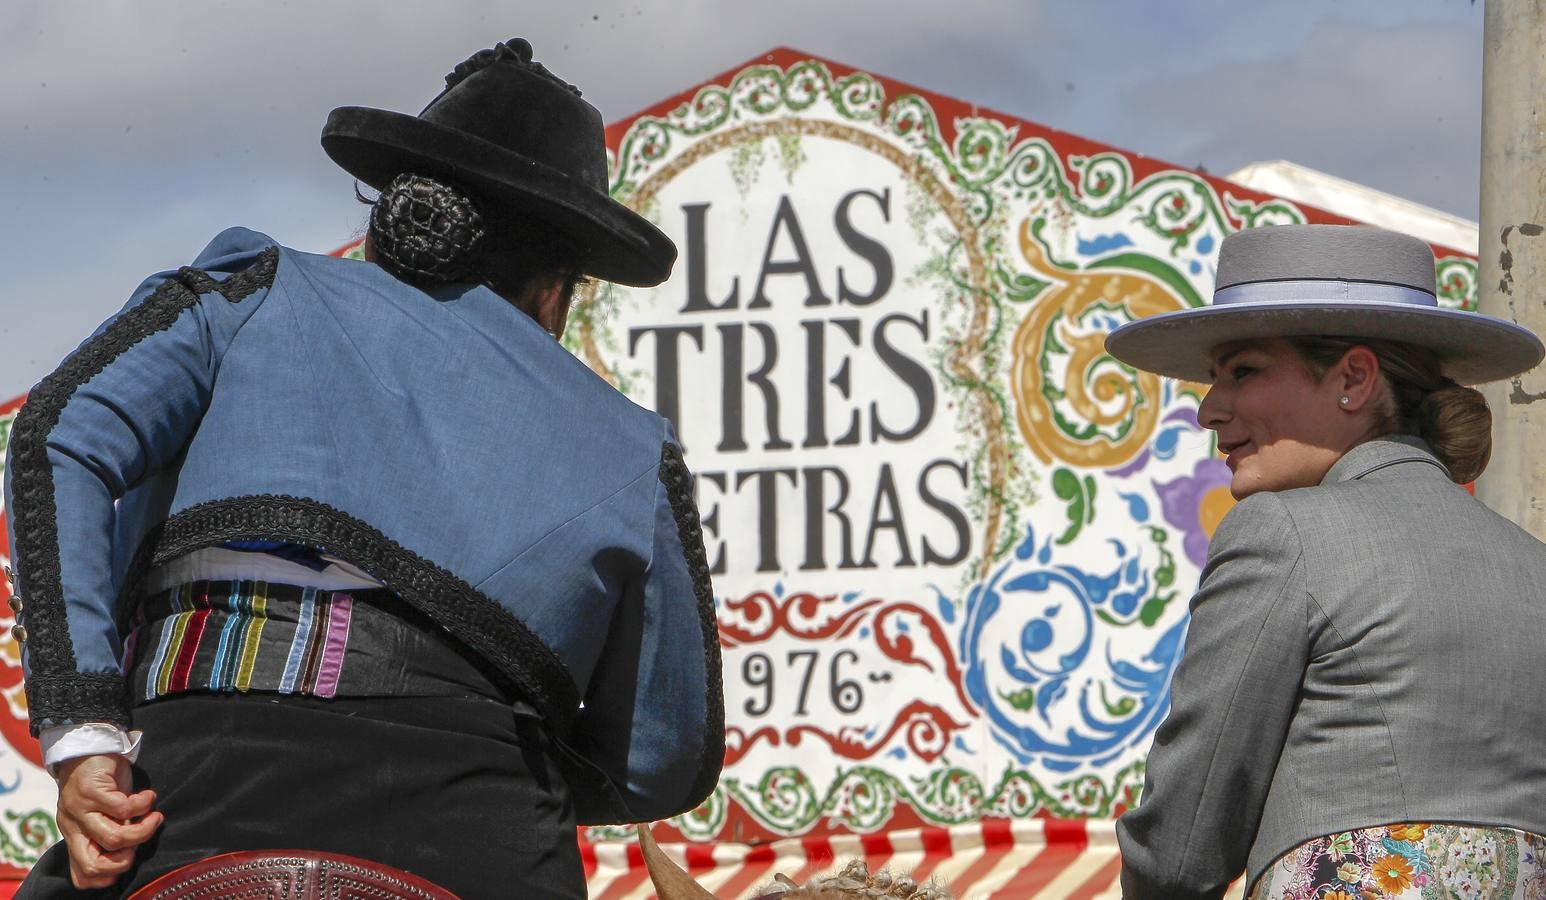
1331	281
515	135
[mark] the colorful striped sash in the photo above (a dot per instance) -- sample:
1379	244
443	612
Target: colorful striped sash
226	636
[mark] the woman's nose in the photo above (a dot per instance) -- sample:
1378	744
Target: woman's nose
1211	412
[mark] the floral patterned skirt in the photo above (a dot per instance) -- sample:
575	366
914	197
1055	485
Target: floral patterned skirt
1410	861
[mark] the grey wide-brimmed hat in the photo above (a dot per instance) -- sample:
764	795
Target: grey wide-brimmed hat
1330	281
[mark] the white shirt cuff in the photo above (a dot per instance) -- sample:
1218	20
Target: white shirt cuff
62	742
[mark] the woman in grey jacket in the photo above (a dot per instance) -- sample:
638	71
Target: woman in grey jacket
1354	715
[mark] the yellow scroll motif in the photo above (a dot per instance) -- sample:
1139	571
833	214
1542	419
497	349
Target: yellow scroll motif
15	697
1099	392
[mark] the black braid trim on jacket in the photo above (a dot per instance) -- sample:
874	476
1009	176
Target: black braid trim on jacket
259	276
519	657
678	483
239	285
56	692
76	697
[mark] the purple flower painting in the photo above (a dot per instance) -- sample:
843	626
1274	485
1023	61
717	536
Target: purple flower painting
1196	504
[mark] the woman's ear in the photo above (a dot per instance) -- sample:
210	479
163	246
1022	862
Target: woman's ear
1358	377
671	883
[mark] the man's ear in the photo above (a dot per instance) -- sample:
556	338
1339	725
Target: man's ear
549	299
671	883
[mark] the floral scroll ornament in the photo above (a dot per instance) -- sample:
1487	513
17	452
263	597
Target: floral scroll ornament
24	834
1044	665
864	798
903	634
13	709
1456	279
1074	403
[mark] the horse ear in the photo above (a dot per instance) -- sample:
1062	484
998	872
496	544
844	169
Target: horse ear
671	883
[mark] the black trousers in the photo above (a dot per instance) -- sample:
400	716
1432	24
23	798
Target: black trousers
461	791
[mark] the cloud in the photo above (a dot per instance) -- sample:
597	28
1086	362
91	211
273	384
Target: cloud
1396	107
180	77
131	132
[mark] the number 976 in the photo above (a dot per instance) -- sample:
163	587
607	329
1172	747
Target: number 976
762	677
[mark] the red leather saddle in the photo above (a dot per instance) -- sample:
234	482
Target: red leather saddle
289	875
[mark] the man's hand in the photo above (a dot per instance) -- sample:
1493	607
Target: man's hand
101	821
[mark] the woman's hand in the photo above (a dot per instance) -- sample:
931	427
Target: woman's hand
101	821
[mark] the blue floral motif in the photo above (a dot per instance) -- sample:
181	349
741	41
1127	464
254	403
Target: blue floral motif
1167	442
1048	654
1103	243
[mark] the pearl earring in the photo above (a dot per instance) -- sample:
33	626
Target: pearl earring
1345	401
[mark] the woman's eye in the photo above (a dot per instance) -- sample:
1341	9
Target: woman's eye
1239	372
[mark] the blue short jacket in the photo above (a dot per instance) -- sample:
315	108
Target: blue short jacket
439	440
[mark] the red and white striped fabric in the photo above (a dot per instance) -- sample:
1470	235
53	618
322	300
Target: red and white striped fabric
988	860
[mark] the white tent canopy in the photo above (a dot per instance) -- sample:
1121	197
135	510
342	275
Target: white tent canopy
1355	201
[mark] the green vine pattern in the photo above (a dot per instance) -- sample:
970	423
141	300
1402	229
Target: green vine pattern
864	798
1457	282
745	164
1017	491
757	91
705	822
6	422
701	824
597	834
596	315
25	835
784	799
1019	794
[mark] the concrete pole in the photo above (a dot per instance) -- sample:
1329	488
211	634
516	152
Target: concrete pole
1512	270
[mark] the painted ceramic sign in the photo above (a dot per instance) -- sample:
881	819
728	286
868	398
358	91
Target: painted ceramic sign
27	795
952	540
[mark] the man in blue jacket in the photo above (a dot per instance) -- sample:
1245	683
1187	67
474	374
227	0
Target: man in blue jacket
353	556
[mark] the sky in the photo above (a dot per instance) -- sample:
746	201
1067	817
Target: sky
132	132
